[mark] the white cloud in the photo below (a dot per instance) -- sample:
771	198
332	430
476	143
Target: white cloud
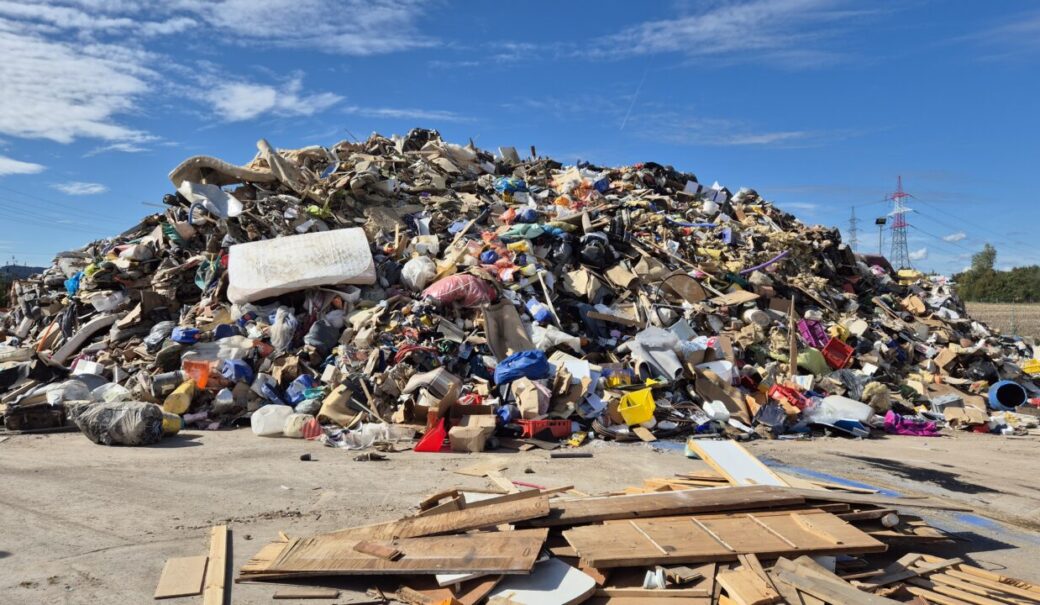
432	115
800	206
349	27
237	101
788	32
955	237
920	254
680	129
64	90
12	166
1017	36
80	188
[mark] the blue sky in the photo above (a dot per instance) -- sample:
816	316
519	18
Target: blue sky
817	104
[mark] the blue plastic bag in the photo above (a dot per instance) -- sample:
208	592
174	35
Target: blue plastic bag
529	364
72	283
185	336
298	388
509	184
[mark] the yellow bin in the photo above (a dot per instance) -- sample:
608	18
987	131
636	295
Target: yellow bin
1031	367
637	407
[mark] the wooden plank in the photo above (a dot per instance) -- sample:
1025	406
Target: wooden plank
746	587
806	523
980	589
989	575
827	590
934	597
1006	587
216	567
703	538
734	463
456	521
378	549
901	570
181	577
512	552
835	496
303	592
502	482
957	593
590	510
481	469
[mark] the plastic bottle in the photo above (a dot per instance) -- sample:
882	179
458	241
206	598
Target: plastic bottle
270	419
179	400
171	423
539	311
224	401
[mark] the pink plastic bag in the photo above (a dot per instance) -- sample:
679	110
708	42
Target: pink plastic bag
901	425
466	290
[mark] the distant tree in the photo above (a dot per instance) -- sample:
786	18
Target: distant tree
985	259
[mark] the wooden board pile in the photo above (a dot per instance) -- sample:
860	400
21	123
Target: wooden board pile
700	538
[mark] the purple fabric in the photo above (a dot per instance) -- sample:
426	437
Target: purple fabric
902	425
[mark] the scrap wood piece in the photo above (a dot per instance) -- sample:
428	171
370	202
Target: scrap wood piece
683	574
984	593
902	570
934	597
806	523
512	552
502	482
745	587
989	575
481	469
602	508
823	587
849	498
1028	593
733	462
216	567
964	592
722	537
378	549
463	520
181	577
303	592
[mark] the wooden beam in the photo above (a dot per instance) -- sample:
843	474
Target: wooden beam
216	568
451	522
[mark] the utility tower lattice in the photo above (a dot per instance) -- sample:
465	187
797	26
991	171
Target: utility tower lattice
853	232
900	255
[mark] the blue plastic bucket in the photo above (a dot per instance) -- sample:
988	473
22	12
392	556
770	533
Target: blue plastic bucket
1006	395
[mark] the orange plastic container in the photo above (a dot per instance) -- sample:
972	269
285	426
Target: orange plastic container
197	371
837	353
559	428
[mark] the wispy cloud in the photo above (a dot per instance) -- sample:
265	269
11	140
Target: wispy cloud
1017	36
12	166
919	254
791	33
432	115
801	206
682	129
237	101
955	237
80	188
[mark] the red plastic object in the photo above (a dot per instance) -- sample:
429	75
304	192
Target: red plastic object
433	440
559	428
779	391
837	354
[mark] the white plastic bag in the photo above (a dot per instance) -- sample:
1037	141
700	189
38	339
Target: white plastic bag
270	419
417	273
282	329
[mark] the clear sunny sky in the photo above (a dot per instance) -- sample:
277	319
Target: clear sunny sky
817	104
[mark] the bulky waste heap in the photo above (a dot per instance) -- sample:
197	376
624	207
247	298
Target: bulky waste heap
361	293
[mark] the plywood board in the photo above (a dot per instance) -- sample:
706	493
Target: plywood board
703	538
302	592
181	577
509	552
590	510
735	463
454	521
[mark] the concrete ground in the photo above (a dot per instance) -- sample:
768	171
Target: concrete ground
82	523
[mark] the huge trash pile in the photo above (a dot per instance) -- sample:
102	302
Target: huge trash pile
361	293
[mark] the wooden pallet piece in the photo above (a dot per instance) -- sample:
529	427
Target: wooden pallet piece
216	567
686	502
903	569
512	552
746	587
1011	589
981	590
378	549
957	592
822	587
934	597
704	538
181	577
451	522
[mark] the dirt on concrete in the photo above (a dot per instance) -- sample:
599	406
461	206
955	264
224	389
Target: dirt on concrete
84	523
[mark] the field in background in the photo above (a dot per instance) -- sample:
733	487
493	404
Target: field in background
1022	319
